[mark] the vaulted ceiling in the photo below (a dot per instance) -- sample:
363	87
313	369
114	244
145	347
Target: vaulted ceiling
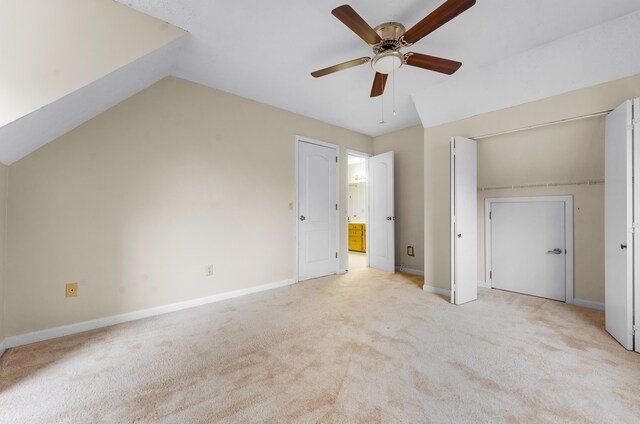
265	51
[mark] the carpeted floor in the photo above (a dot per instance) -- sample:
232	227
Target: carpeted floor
362	347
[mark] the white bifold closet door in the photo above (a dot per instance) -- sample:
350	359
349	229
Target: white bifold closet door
464	220
381	222
620	148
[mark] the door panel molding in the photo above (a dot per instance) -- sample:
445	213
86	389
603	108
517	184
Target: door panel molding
568	219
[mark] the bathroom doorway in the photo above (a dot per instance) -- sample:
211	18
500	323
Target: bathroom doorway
357	208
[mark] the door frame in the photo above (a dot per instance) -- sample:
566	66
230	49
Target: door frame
302	139
568	235
350	152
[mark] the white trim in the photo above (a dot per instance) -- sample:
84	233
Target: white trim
80	327
2	348
436	290
452	235
589	304
297	140
350	152
409	270
568	216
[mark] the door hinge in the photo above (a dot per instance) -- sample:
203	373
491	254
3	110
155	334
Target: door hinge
336	255
489	215
336	159
336	206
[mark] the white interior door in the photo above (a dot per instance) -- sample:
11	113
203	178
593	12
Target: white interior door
317	211
618	235
381	223
464	220
528	251
636	218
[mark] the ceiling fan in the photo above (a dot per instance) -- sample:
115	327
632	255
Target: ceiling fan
387	39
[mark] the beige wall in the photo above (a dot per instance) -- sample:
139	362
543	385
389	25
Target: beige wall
136	202
4	179
436	156
563	153
408	145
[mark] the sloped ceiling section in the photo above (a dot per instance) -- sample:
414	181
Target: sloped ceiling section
602	53
24	135
65	61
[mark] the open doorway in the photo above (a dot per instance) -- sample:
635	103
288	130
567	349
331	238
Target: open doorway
357	208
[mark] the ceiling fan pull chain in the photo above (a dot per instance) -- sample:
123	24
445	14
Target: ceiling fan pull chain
382	111
394	91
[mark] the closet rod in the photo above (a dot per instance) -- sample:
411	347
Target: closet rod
538	185
546	124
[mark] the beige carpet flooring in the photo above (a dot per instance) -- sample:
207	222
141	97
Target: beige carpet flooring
363	347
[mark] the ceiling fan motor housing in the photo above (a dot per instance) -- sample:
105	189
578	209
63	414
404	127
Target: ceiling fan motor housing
387	52
390	32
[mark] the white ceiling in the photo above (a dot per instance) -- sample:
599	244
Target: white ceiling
264	50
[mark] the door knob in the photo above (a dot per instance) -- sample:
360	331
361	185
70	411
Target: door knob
302	218
623	246
556	251
389	218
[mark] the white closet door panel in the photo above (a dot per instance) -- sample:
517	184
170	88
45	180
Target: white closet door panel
464	236
618	222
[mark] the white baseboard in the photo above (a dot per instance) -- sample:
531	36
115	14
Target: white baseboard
409	270
66	330
436	290
2	348
589	304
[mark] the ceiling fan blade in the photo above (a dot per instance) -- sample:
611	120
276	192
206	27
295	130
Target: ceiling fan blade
340	67
449	10
432	63
350	18
379	82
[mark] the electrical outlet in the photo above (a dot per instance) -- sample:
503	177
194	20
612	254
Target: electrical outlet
209	270
72	289
290	206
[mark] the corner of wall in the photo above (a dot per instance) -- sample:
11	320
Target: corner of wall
4	193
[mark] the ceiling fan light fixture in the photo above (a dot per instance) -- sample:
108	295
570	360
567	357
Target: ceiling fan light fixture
387	61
